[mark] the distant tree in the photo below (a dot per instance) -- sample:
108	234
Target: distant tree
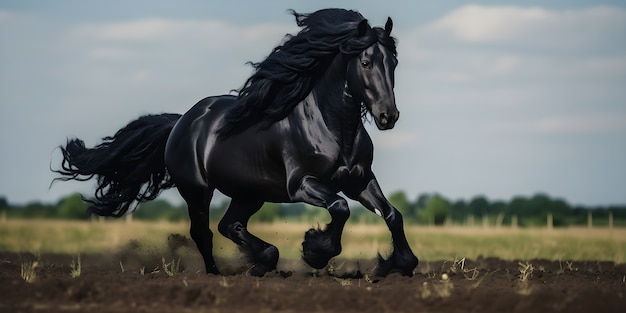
268	212
561	211
72	207
217	210
458	210
436	210
419	206
34	209
422	200
360	214
399	200
291	210
4	204
478	206
539	205
160	209
497	207
517	206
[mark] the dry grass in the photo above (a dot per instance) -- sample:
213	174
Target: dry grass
359	240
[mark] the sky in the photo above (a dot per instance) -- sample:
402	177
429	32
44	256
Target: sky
499	99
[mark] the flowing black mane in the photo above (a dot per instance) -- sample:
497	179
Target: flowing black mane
291	70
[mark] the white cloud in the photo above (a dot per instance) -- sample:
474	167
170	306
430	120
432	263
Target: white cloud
534	25
161	31
475	23
148	29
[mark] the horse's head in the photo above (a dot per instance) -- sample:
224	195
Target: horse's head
370	78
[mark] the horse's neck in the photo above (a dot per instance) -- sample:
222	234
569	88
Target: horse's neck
341	114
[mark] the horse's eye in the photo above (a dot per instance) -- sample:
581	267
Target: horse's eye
365	63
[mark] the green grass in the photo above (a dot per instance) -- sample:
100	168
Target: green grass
359	240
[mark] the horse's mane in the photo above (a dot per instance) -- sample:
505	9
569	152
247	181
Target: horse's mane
291	70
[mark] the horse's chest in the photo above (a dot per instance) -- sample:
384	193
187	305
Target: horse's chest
317	148
320	156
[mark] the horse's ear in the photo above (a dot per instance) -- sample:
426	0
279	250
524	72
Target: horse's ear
363	28
388	26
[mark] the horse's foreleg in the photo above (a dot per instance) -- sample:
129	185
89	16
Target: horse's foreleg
320	246
233	225
402	258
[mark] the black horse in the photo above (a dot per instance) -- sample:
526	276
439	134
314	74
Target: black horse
294	133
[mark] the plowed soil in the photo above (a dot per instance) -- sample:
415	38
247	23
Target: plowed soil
127	282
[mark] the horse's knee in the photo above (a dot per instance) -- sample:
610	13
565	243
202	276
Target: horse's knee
230	229
339	209
234	231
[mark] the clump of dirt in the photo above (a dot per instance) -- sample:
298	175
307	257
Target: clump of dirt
137	280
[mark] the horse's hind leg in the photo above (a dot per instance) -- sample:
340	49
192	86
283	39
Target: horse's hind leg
234	224
198	200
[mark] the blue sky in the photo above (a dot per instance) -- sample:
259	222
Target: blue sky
497	98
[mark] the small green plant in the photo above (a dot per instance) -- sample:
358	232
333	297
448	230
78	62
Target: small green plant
28	271
344	282
458	266
425	291
569	266
171	268
478	281
526	271
76	267
333	268
223	282
444	290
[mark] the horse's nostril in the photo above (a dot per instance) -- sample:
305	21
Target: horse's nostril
383	119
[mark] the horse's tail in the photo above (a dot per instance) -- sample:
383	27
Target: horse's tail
129	167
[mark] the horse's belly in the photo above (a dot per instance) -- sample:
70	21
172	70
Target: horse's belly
247	169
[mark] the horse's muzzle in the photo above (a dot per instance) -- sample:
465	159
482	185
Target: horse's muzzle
387	120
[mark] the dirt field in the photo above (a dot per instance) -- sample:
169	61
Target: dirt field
133	282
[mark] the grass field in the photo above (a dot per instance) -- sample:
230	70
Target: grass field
359	241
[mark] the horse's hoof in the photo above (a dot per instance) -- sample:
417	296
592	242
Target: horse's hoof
264	261
314	259
318	249
404	264
259	270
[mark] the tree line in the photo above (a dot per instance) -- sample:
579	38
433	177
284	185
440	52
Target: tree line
426	209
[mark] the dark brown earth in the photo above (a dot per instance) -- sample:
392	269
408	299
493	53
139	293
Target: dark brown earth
483	285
